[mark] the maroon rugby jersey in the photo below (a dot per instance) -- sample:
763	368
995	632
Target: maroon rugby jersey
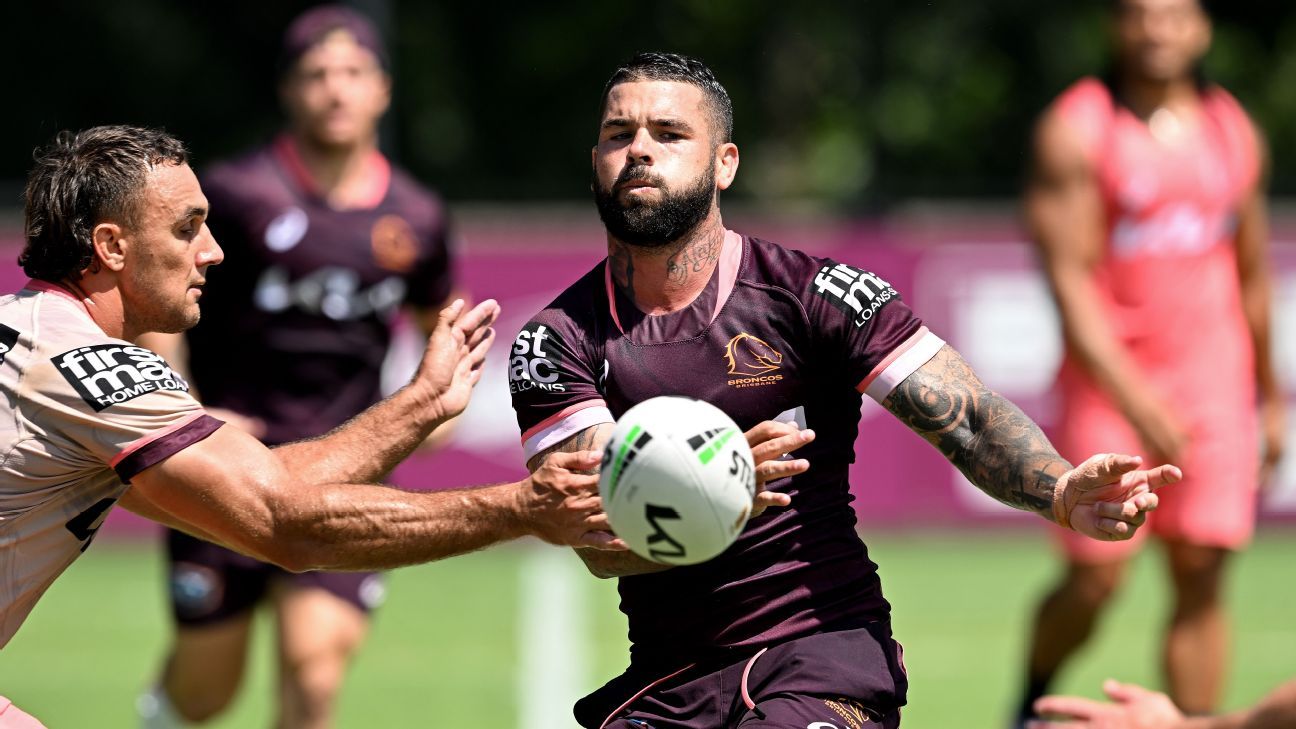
296	321
776	335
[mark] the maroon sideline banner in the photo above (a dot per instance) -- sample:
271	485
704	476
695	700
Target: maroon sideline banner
978	286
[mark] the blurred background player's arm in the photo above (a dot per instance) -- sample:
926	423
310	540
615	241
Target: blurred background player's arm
1135	707
1257	294
769	441
1065	214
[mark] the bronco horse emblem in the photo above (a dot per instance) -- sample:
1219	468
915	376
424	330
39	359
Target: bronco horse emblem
750	356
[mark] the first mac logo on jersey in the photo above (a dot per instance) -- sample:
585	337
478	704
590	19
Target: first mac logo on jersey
108	374
532	365
856	293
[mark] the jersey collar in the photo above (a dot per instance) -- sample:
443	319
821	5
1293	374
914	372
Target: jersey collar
49	287
730	259
377	173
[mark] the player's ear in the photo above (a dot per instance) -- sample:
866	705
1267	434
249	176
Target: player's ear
726	164
110	246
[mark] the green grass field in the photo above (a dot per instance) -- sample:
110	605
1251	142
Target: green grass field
444	650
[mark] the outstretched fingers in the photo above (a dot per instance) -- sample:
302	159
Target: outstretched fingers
450	314
766	499
1160	476
1075	708
1127	511
478	317
771	440
774	470
1103	469
603	540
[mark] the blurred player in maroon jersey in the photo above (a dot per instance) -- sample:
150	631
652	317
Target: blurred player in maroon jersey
787	628
326	241
1148	206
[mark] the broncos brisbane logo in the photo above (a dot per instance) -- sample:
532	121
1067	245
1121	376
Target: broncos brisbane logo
750	356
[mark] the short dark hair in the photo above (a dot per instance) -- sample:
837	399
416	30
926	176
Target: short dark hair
676	67
81	179
314	25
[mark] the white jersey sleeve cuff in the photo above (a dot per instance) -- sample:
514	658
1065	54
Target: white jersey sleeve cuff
565	427
903	361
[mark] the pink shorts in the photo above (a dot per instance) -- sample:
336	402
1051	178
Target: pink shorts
12	717
1214	505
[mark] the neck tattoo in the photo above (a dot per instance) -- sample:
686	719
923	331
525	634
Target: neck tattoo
694	257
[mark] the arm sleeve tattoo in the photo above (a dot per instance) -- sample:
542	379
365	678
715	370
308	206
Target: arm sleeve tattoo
984	435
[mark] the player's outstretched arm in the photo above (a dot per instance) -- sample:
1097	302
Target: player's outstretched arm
1134	707
368	446
1006	455
231	489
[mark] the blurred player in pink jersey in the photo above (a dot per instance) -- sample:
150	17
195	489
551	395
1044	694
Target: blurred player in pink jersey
1148	207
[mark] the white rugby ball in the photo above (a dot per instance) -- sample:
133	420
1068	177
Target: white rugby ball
677	480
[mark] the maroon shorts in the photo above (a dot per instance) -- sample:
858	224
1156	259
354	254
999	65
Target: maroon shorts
210	584
850	679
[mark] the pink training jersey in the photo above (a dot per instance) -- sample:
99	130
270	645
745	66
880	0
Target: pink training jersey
81	414
1168	278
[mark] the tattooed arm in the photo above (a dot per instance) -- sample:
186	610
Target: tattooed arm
1005	454
600	563
984	435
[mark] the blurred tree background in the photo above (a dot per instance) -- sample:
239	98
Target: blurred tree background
849	106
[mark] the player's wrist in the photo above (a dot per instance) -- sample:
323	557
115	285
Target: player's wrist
512	512
1060	511
425	405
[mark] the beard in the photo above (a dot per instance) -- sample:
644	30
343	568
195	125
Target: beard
655	224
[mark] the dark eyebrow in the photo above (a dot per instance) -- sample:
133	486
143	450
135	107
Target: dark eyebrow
667	122
671	124
194	211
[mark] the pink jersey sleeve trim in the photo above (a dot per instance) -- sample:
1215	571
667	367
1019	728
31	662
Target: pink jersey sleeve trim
903	361
161	444
139	443
566	423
